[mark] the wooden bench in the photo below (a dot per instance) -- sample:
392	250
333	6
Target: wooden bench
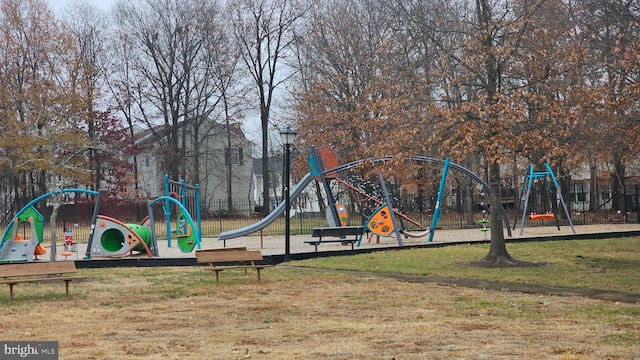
346	234
231	258
13	274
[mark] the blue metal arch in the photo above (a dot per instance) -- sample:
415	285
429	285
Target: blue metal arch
184	210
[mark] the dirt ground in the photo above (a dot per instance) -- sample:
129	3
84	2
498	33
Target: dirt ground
180	313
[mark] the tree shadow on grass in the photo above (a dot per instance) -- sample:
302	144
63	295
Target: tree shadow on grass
505	262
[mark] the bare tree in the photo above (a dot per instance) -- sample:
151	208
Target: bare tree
173	52
610	30
264	32
87	25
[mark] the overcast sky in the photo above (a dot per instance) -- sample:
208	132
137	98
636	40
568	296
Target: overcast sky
58	5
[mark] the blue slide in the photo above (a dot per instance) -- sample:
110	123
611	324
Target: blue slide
295	191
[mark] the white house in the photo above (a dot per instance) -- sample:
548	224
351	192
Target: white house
216	160
306	202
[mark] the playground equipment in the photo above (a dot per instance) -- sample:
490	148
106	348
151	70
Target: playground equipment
111	237
325	157
189	197
115	238
484	221
438	209
317	163
530	177
383	222
317	160
17	249
37	227
29	214
188	238
107	237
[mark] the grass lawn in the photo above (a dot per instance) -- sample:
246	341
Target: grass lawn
609	264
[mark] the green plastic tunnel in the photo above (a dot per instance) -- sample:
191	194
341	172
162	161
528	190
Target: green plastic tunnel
113	240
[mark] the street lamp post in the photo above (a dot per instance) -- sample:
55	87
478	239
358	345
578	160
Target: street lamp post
288	135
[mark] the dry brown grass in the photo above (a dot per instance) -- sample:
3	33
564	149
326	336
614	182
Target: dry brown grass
180	313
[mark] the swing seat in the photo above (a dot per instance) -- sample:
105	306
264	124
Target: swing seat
536	217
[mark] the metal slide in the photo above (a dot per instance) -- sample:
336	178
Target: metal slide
295	191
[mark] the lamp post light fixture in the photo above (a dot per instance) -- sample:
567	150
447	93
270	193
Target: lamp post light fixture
288	135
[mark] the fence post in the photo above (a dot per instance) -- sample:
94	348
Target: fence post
299	213
220	215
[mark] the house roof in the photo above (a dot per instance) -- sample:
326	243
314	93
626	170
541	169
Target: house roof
146	136
276	164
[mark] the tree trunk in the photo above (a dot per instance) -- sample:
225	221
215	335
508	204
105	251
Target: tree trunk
56	199
593	189
498	254
618	185
266	203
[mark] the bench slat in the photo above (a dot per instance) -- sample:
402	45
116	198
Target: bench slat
228	267
337	231
32	269
228	256
41	279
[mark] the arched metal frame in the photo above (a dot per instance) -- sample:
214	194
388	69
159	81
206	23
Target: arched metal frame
182	207
226	235
426	159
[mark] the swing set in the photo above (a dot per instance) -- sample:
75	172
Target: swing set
532	177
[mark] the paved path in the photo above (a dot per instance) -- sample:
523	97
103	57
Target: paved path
274	245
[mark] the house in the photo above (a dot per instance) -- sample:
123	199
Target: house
306	202
224	171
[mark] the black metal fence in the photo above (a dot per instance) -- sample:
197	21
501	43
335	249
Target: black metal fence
244	214
77	218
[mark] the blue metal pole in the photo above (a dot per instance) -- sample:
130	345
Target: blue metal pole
437	211
167	210
198	216
564	205
529	177
184	210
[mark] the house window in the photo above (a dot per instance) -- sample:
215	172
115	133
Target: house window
233	156
146	161
579	193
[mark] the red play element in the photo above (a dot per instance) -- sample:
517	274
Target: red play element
535	217
330	160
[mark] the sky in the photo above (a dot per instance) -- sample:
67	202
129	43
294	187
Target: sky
58	5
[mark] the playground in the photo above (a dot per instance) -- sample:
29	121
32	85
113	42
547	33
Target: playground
24	238
311	313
